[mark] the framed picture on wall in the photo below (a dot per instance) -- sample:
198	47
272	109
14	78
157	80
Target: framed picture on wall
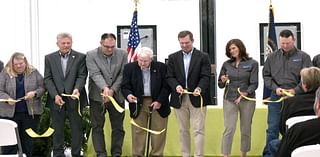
147	33
295	27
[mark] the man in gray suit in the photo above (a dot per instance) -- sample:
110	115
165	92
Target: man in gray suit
65	72
105	65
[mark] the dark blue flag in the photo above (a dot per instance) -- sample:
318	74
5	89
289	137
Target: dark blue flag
271	45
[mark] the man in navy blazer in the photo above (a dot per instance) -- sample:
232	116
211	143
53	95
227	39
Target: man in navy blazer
144	86
189	69
66	73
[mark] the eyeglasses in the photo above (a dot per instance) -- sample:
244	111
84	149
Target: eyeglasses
108	47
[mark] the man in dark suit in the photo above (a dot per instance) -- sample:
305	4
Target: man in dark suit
65	72
189	69
105	65
1	66
144	86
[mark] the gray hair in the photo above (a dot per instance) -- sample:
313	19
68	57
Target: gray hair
64	35
145	51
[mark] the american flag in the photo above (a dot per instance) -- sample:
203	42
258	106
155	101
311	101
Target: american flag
134	39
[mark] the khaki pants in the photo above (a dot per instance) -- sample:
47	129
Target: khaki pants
230	111
139	136
184	114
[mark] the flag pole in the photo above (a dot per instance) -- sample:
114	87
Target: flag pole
136	5
134	37
271	45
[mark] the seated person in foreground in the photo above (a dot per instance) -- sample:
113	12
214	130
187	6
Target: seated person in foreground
301	104
302	134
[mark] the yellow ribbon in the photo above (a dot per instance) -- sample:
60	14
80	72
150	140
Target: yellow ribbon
185	91
9	100
32	134
266	100
287	93
145	129
114	103
75	96
15	101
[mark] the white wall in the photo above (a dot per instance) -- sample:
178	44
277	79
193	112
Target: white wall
87	20
15	28
90	19
31	26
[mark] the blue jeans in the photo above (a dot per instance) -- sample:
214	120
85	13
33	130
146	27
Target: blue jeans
274	110
273	147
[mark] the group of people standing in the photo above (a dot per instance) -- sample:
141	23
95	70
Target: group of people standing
287	71
291	70
147	85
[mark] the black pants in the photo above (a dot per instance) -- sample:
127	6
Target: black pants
97	117
69	110
24	121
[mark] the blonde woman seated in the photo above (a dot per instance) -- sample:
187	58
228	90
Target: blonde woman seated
302	134
301	104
